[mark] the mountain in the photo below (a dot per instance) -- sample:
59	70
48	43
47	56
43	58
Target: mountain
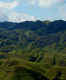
50	26
39	34
33	50
33	37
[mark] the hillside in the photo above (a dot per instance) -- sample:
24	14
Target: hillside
25	46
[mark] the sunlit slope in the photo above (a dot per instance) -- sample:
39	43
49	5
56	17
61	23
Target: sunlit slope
18	69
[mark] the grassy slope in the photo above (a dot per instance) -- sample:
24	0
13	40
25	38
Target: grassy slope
27	54
19	69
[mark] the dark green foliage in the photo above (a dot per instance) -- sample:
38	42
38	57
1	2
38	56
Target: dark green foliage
54	60
33	50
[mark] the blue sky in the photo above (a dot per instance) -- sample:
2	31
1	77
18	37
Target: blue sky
22	10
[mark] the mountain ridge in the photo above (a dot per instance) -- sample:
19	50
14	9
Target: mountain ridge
37	33
27	45
35	25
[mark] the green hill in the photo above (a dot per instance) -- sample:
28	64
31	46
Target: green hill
33	50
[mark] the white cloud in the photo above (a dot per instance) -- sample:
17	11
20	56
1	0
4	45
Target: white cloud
13	16
40	3
32	2
8	5
20	17
47	3
8	14
3	15
44	3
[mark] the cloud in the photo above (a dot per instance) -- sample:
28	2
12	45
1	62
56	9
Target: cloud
40	3
8	14
32	2
15	16
20	17
44	3
3	15
48	3
8	5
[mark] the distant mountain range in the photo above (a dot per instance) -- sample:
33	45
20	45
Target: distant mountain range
37	34
33	50
47	26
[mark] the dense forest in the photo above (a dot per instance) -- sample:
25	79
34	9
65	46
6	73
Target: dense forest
33	50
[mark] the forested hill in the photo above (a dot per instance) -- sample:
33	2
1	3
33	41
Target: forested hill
30	34
47	26
25	46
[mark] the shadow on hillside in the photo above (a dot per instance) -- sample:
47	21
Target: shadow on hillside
22	73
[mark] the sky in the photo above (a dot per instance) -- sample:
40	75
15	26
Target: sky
32	10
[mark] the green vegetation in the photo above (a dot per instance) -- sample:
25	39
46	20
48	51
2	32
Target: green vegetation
19	69
35	52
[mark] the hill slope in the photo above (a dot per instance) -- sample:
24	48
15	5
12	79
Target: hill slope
33	44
